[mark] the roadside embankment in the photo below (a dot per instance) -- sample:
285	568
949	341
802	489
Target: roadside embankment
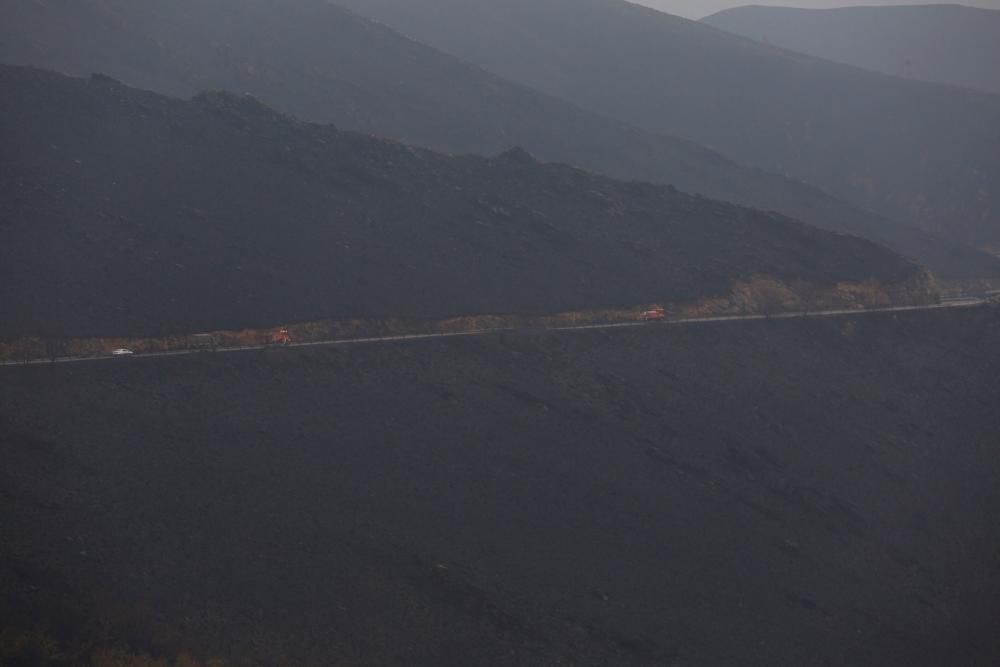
761	295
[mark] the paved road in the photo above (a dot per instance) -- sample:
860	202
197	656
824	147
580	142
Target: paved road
958	302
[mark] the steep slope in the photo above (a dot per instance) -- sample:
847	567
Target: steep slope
698	9
784	493
323	64
948	44
128	212
918	152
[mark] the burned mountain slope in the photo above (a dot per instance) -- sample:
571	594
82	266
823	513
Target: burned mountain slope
125	212
323	64
913	151
775	493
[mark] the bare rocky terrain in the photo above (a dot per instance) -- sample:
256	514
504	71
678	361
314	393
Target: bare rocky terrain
917	152
322	63
808	490
774	493
123	212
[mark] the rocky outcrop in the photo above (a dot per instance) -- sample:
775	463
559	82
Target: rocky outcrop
763	295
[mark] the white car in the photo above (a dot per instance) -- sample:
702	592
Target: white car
122	352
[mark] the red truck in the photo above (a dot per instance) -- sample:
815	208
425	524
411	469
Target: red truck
658	313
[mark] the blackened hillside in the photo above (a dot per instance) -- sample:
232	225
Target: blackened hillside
783	493
127	212
323	64
917	152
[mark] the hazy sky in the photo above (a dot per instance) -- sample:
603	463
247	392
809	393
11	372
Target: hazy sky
696	9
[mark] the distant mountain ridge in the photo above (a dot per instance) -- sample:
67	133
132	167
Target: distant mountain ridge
950	44
322	63
916	152
123	212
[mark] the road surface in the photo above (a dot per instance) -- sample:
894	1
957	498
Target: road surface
956	302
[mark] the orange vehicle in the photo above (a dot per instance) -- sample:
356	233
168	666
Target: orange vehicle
658	313
282	337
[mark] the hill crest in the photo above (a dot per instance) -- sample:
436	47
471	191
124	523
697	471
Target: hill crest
131	213
324	64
